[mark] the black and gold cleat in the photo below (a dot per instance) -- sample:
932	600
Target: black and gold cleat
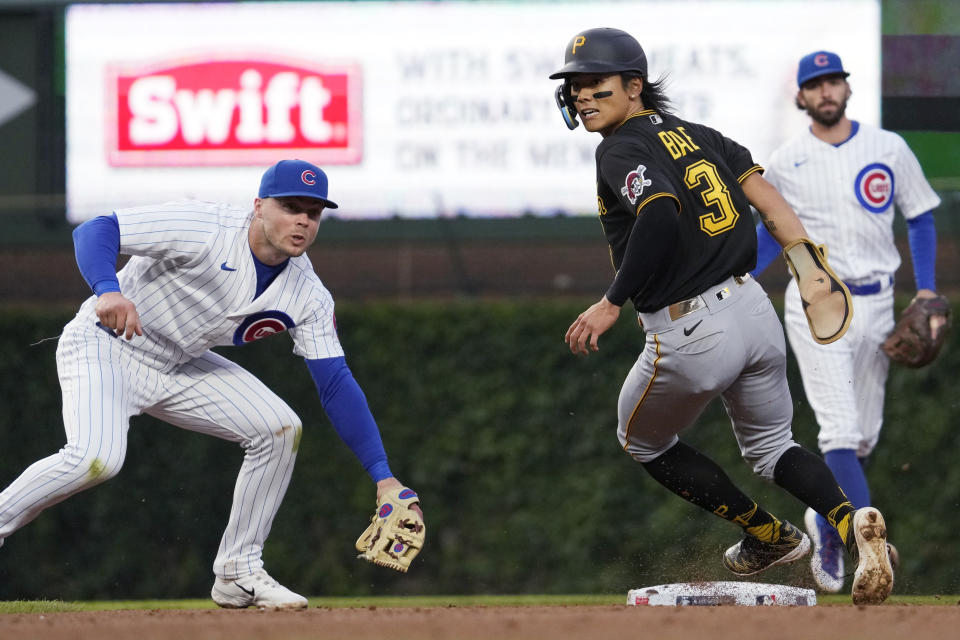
752	555
873	579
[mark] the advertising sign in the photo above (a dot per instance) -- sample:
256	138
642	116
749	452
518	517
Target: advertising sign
414	109
239	110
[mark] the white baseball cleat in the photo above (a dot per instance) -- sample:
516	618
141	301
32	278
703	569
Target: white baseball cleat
873	580
826	561
255	590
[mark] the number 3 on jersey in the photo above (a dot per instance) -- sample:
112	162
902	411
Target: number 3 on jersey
702	176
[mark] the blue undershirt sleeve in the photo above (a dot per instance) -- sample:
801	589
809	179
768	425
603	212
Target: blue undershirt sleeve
96	245
767	250
347	408
922	236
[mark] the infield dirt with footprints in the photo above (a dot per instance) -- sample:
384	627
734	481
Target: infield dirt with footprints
887	622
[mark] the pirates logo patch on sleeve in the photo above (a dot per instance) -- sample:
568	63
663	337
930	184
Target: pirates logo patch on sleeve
634	184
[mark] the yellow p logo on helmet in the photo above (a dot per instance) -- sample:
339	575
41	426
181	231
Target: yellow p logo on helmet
579	41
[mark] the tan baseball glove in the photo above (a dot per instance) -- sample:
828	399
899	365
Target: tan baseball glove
826	300
913	342
396	532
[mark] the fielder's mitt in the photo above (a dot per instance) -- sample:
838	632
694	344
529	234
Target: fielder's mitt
826	300
396	532
912	342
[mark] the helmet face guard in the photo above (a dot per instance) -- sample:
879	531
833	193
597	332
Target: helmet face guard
565	104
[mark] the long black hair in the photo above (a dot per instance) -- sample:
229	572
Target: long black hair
652	93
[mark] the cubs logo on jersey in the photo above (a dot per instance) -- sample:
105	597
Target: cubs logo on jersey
874	187
260	325
634	184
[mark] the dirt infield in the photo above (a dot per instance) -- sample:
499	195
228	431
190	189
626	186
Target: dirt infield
502	623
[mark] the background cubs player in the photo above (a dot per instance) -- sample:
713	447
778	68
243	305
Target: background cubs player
202	275
674	200
843	177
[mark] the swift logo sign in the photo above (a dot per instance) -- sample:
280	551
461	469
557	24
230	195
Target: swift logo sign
237	111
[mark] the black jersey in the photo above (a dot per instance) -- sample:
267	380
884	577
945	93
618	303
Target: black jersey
652	156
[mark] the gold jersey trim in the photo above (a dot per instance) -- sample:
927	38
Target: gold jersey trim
645	112
748	172
662	194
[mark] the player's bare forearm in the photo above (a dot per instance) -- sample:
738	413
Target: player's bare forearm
776	214
590	325
118	313
386	484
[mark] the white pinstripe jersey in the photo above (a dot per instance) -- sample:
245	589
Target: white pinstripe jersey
192	278
844	196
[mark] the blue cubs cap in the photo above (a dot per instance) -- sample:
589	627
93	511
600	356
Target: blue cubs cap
819	63
295	178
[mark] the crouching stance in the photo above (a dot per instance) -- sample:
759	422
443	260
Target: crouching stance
202	275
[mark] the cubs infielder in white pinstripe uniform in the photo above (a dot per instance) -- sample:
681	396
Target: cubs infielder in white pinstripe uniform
202	275
843	179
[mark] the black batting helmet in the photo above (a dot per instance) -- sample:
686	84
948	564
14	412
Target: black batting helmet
602	50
